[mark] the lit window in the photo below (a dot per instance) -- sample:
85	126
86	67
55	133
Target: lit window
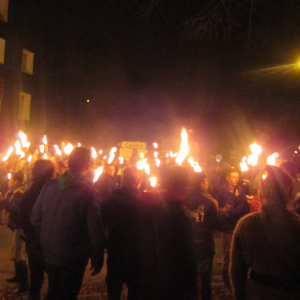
27	61
24	106
2	50
3	10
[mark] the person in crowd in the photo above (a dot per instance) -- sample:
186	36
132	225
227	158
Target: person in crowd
67	218
168	263
291	168
61	168
232	206
11	202
267	243
42	172
121	213
202	211
106	182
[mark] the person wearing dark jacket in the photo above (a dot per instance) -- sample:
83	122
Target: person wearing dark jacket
202	210
232	206
121	219
11	203
265	261
167	258
106	182
42	172
67	218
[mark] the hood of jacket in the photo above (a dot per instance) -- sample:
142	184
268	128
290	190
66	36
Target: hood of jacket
69	179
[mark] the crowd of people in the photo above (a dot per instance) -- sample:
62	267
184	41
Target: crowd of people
159	242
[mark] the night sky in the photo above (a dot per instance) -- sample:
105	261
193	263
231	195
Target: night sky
147	74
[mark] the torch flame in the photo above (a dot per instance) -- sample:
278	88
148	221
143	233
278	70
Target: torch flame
68	149
142	164
153	181
155	145
155	154
157	162
256	150
243	165
195	165
9	176
45	140
18	147
121	159
45	156
97	172
29	159
94	153
271	160
23	138
112	155
8	153
42	148
184	151
57	150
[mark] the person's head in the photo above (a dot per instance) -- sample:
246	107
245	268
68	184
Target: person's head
43	170
200	180
61	168
276	187
79	160
16	178
110	169
132	176
176	181
232	178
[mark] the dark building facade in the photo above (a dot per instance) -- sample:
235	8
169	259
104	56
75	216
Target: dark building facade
24	61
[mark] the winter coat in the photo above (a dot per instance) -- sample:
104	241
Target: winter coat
67	217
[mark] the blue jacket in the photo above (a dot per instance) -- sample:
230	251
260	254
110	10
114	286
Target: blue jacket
67	217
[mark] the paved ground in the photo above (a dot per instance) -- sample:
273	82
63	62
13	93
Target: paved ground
93	287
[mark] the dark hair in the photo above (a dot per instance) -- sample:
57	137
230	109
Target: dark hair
79	159
42	171
277	188
174	177
197	178
18	175
131	175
